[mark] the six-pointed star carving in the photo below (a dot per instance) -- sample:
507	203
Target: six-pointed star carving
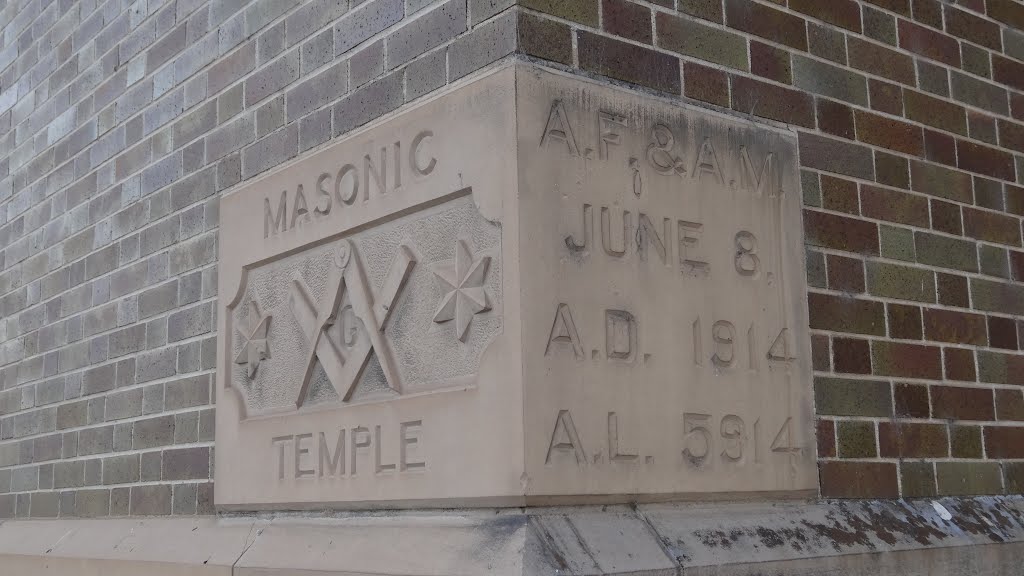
464	289
254	344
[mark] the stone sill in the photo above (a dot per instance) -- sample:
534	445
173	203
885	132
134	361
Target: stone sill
983	535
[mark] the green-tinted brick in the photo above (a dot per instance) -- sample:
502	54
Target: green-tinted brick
968	478
917	479
999	368
945	252
897	243
811	188
903	282
994	261
965	441
691	38
857	440
582	11
993	296
846	397
815	269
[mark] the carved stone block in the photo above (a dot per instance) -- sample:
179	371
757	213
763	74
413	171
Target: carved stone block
529	289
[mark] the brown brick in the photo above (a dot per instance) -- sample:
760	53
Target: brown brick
889	133
891	170
952	290
1009	12
959	364
1004	442
907	360
692	38
851	355
766	22
821	357
856	439
1000	368
840	233
907	440
843	314
845	274
929	43
955	327
911	400
881	61
627	19
992	226
946	217
904	321
926	109
939	147
706	9
885	97
962	403
835	118
1002	333
1013	476
545	39
1011	135
832	155
582	11
965	441
770	62
706	84
751	96
917	479
894	206
825	431
858	479
1017	265
628	62
1009	404
847	397
1017	105
985	160
1007	71
968	478
844	13
1015	199
839	194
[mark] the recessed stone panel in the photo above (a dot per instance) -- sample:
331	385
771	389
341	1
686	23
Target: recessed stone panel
530	288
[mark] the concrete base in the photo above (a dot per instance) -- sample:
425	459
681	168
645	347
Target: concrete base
944	537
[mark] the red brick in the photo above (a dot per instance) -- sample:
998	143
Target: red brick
1007	71
985	160
845	479
892	170
833	155
929	43
841	233
881	61
927	12
1002	333
928	110
844	314
751	96
973	28
911	400
898	6
889	133
952	290
962	403
1004	442
706	84
959	364
821	356
1009	12
1011	135
851	356
1009	404
767	22
628	62
885	97
955	327
844	13
839	194
991	226
946	217
835	118
627	19
904	321
939	147
1017	265
770	62
894	206
845	274
976	5
906	360
910	440
826	434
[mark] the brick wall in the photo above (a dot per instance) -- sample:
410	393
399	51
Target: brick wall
121	122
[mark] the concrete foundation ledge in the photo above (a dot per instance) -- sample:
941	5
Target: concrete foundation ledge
948	536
